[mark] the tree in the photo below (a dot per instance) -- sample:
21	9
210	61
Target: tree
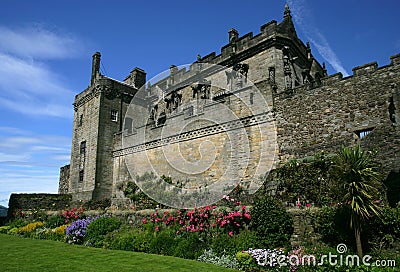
359	178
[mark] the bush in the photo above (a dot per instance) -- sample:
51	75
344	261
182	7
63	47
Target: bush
332	223
224	243
384	232
136	239
190	246
164	242
272	224
245	260
54	221
121	240
98	229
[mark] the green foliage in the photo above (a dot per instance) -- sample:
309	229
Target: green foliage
272	223
164	242
54	221
359	177
332	223
130	239
99	228
18	223
190	246
245	260
384	232
223	243
304	179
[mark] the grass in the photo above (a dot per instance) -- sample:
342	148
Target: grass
20	254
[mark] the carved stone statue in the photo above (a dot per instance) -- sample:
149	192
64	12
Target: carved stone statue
239	73
202	89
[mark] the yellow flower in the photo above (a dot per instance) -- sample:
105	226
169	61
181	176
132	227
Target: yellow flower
60	230
30	227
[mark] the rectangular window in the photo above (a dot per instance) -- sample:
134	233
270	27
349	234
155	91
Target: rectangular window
128	125
83	147
114	115
363	132
81	174
80	120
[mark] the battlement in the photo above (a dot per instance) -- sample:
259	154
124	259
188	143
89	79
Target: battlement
240	48
365	69
361	70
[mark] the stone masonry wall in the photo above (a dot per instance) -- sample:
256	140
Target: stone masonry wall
333	115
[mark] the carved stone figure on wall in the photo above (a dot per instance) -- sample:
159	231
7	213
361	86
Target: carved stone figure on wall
173	101
238	75
286	67
202	89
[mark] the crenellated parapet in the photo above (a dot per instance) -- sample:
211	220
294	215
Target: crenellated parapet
283	51
362	108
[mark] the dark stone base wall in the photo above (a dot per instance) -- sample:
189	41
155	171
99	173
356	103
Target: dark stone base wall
46	202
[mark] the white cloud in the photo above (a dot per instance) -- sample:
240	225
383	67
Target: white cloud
29	162
303	19
32	149
37	42
32	88
27	84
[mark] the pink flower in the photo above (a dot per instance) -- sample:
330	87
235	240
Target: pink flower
157	228
230	233
308	205
144	220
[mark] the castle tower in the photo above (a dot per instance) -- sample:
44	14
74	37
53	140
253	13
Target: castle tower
99	112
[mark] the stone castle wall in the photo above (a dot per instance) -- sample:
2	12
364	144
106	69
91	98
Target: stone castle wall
305	112
335	114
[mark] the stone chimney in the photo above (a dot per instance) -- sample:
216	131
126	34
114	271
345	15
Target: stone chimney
95	67
137	78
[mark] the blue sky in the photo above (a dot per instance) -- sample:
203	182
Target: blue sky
46	49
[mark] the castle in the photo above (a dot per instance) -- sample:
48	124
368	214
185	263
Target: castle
270	101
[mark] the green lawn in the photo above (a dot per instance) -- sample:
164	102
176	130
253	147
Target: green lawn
19	254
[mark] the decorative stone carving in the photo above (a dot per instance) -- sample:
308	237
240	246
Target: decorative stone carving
238	75
173	101
286	68
202	89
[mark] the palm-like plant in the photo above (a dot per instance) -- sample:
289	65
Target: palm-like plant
359	176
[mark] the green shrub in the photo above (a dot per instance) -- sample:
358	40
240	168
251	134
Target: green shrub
245	260
190	246
332	223
18	223
272	223
54	221
126	238
384	232
121	240
98	229
164	242
223	243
